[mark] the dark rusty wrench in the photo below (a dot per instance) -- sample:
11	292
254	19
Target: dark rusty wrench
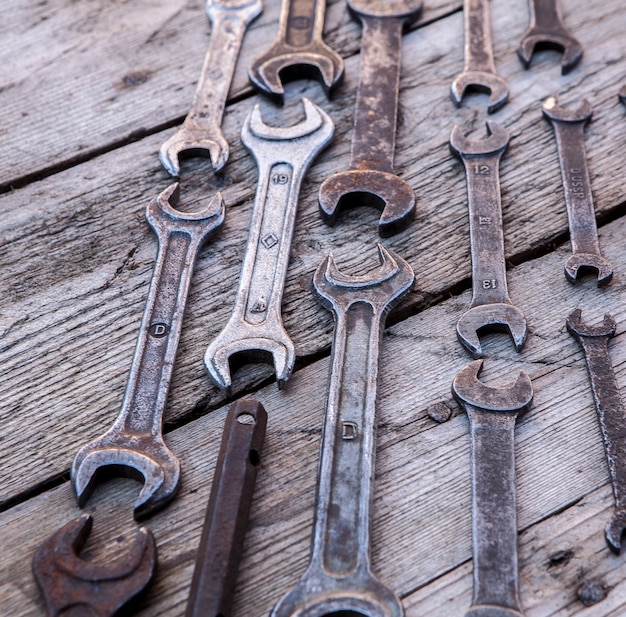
370	179
72	586
594	341
569	126
491	308
134	445
492	414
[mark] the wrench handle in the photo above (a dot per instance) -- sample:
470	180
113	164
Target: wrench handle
301	22
546	15
478	46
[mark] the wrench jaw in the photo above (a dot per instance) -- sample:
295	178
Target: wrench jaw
481	81
495	143
535	39
553	111
585	262
189	141
579	329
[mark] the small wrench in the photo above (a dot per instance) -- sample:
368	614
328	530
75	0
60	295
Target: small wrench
611	413
299	46
479	72
134	445
546	31
201	132
68	583
569	126
492	414
370	179
491	307
283	156
339	577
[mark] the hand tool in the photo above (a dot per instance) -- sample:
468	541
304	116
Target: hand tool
255	328
611	413
134	445
68	583
546	31
298	49
201	131
492	414
491	307
479	72
569	125
339	577
370	179
226	519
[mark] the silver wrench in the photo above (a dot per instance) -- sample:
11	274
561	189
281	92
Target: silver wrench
255	328
201	132
339	577
134	445
491	308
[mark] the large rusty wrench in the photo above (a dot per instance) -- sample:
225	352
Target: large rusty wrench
339	576
134	445
569	126
491	308
492	414
370	179
201	132
611	413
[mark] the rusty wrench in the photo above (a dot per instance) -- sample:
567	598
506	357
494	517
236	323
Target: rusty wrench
299	46
546	30
339	577
283	156
134	445
569	126
491	307
370	179
201	132
611	413
492	414
479	72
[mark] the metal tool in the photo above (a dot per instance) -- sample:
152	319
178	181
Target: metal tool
569	126
255	329
298	49
339	577
546	31
73	586
226	516
134	445
201	132
370	179
479	72
611	413
492	414
491	307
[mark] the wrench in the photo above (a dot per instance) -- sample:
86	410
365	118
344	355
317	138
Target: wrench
491	307
492	414
479	71
255	328
339	577
68	583
370	179
134	445
298	47
569	126
610	410
546	31
201	131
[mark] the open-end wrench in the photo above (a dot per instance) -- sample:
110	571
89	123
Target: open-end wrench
255	328
491	307
546	31
201	132
298	49
569	126
479	72
492	414
72	586
611	413
134	445
370	179
339	577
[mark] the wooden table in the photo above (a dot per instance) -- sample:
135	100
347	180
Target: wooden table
88	92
